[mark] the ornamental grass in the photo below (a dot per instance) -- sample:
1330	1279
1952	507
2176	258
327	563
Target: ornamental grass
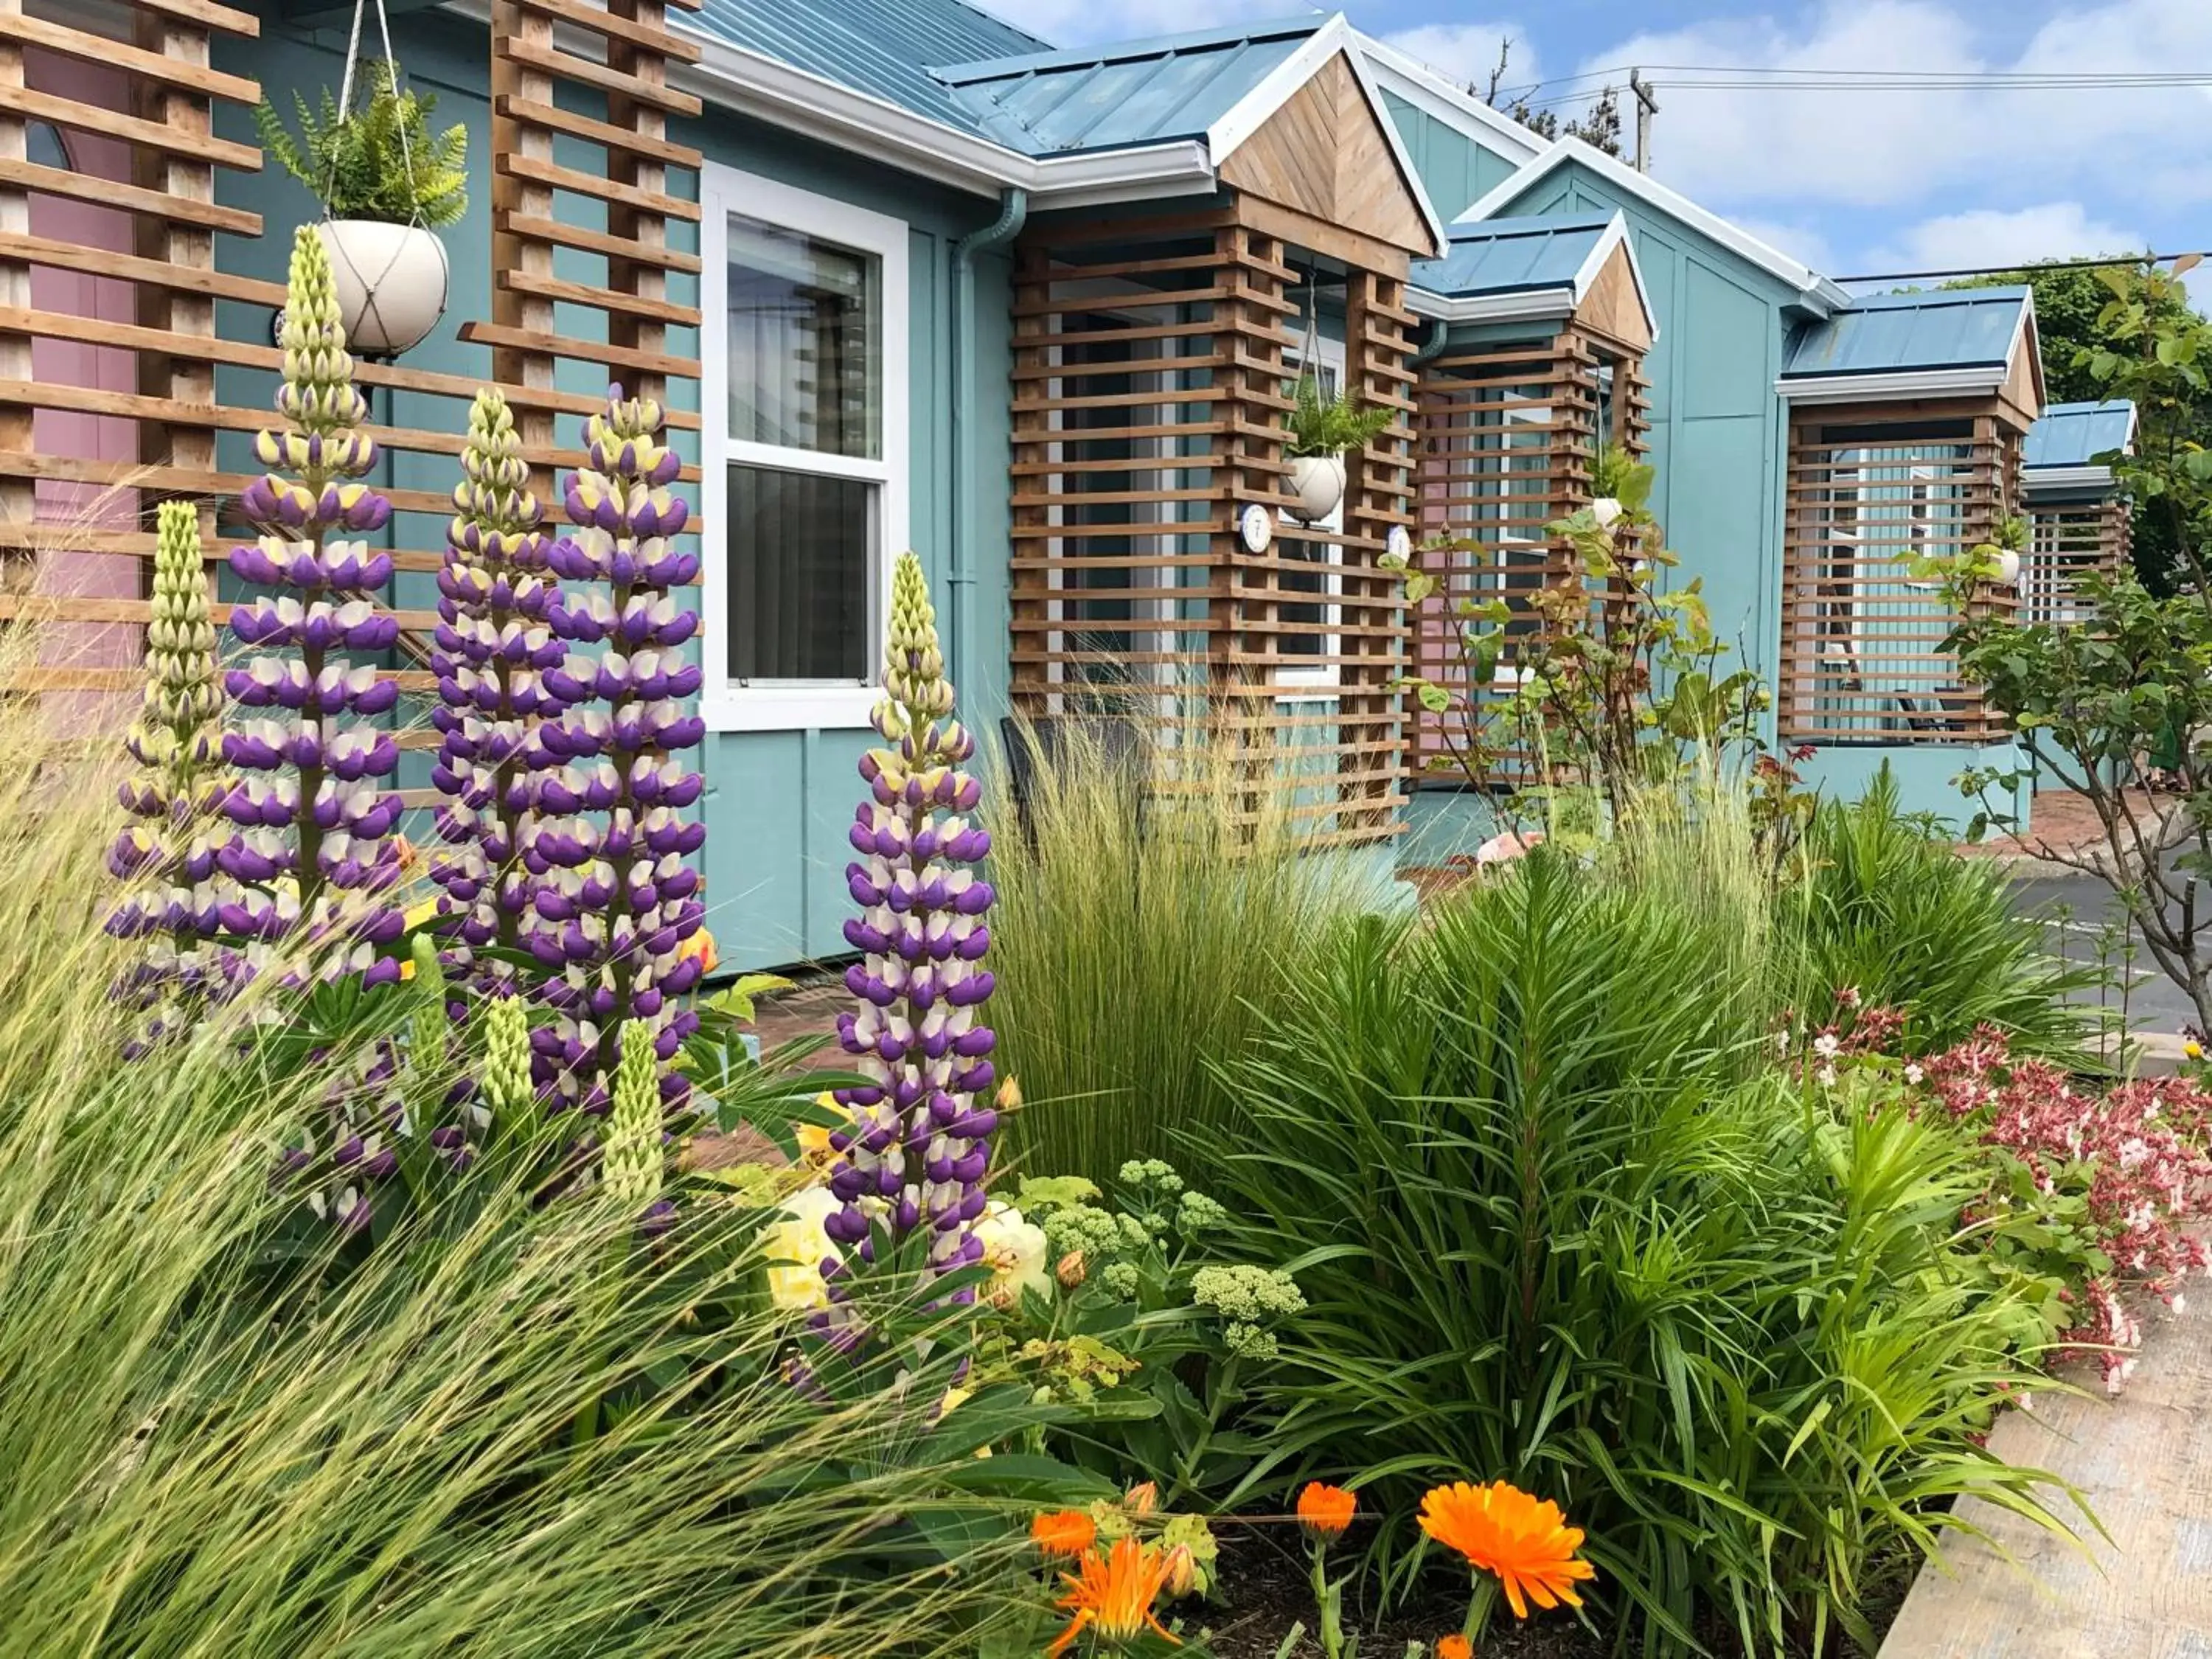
506	1429
1152	911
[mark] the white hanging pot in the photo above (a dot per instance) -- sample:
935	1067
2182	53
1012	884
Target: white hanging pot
2008	568
1318	483
392	281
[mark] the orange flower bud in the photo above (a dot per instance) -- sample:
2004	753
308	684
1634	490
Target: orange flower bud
1325	1511
1454	1646
1143	1499
1071	1271
1181	1572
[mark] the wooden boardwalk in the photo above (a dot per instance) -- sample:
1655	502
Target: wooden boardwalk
2144	1464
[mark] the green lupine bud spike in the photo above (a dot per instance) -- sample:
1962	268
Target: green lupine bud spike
914	676
492	495
507	1089
631	1160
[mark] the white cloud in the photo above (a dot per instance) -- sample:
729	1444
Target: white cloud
1732	145
1987	237
1467	53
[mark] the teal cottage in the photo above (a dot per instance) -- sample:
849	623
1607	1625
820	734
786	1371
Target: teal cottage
910	277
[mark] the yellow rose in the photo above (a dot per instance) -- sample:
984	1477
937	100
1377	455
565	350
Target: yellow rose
793	1246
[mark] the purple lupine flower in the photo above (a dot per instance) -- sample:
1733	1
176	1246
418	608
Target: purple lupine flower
175	903
493	647
614	901
313	817
918	1145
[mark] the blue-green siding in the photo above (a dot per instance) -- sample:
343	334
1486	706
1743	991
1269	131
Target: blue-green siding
777	804
1456	170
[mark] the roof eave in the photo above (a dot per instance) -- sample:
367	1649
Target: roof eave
1520	306
1885	385
2034	478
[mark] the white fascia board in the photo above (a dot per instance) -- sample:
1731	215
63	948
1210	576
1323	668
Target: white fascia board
1904	383
2066	477
1252	111
1176	168
1398	72
1815	290
2020	335
1527	304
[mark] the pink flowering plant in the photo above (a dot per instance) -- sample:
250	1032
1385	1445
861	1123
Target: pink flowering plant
2093	1192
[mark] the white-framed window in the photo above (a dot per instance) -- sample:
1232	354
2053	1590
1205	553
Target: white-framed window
1314	618
804	386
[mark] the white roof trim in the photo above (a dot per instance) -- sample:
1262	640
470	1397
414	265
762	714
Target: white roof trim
1816	290
1892	383
2020	330
754	83
1251	111
1526	304
2034	478
1400	72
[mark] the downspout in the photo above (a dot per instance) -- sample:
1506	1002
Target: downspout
1013	214
1430	348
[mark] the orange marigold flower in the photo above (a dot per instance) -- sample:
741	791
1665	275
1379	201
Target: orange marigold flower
1113	1595
1325	1510
1503	1530
1067	1532
1454	1646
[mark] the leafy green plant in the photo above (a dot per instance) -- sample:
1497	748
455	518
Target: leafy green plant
1549	1233
1888	909
1612	677
378	160
1332	426
1147	910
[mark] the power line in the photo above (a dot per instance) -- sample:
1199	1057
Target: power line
1906	75
2028	267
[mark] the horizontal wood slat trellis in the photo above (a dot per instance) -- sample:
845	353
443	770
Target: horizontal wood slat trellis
1870	490
615	50
1149	388
1507	433
2068	541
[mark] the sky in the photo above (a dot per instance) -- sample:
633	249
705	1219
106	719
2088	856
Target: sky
1850	182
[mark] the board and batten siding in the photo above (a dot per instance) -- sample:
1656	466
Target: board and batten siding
1455	169
777	804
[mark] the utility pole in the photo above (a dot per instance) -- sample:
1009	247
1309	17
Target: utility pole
1647	105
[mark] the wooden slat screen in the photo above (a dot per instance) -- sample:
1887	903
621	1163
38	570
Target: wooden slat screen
1869	491
174	272
2070	540
1507	432
1150	377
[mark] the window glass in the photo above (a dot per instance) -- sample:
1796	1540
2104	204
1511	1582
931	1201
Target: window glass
805	342
801	552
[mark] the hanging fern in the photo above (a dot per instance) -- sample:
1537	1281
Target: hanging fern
1330	429
357	163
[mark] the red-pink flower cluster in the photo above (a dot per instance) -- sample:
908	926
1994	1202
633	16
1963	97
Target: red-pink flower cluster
2142	1146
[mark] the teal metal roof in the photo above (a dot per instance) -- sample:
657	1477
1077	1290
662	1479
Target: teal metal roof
1143	92
1895	333
1508	255
2075	434
882	47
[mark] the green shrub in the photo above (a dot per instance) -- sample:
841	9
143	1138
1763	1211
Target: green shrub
1547	1232
379	160
1888	909
1137	945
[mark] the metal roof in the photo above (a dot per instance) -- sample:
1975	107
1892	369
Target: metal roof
882	47
1507	255
2075	434
1141	92
1899	333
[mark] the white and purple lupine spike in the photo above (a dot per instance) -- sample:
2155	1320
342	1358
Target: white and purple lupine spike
314	819
613	900
169	854
920	1143
493	646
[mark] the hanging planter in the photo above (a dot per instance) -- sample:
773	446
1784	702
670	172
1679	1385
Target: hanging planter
391	283
1318	483
1321	434
388	183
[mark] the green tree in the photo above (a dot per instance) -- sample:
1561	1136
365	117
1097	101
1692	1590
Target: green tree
2070	302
